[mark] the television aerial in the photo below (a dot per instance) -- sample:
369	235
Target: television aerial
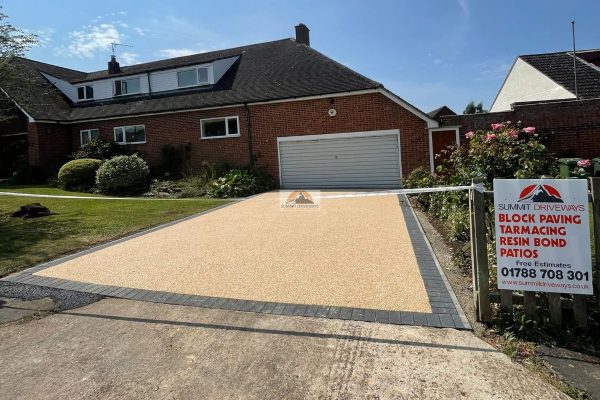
114	46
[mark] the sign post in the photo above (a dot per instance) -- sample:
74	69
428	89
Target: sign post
543	235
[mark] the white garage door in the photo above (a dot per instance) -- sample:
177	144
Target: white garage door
355	160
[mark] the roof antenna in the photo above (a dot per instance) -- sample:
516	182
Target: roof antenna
114	46
574	60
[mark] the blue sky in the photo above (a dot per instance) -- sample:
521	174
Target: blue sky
429	52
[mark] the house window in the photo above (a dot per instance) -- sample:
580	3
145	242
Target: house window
85	92
134	134
219	127
87	135
127	86
192	77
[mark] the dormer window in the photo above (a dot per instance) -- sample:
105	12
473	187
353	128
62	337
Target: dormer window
192	77
85	92
127	86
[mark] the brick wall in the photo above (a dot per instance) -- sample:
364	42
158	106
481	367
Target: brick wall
354	113
48	145
572	127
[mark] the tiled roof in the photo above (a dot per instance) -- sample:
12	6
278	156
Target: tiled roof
559	68
275	70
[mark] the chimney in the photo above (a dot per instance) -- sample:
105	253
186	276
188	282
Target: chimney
113	66
302	34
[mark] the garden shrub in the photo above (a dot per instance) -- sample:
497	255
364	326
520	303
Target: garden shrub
79	174
420	177
99	149
459	224
123	175
240	183
164	189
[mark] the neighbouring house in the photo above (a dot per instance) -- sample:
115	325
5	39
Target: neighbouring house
303	117
540	91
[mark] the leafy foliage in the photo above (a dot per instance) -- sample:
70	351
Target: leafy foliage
14	42
471	108
240	183
504	151
123	175
79	174
99	150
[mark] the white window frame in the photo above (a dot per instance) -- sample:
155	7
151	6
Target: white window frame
125	136
198	83
84	87
126	79
88	132
226	119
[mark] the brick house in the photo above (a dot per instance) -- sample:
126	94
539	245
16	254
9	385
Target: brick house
306	119
541	90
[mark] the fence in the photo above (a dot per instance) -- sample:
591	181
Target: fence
482	229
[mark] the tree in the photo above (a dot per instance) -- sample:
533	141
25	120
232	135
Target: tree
471	108
14	42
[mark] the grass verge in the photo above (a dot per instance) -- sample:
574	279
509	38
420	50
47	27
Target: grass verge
78	224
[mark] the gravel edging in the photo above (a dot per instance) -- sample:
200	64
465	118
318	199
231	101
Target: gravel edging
64	299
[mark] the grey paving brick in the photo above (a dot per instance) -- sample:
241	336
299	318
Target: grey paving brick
300	309
394	317
382	316
334	312
258	306
289	309
218	302
322	312
140	294
443	310
311	311
278	308
229	304
248	305
209	302
268	308
345	313
458	322
358	314
420	319
407	318
433	320
370	315
446	320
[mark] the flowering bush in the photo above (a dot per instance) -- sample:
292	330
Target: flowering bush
584	163
504	151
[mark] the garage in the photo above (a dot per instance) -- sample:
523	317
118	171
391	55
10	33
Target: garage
341	160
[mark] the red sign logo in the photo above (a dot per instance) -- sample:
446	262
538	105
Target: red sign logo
540	194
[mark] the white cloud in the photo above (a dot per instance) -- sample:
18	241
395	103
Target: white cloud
140	31
92	40
129	58
170	53
464	6
487	71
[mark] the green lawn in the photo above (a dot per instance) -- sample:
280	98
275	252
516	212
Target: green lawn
42	189
78	224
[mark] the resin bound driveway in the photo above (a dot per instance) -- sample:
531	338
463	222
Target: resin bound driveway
356	258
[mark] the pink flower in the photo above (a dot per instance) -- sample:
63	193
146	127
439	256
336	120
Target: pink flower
513	133
584	163
497	127
490	137
529	129
469	134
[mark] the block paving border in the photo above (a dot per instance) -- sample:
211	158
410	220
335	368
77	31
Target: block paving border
446	311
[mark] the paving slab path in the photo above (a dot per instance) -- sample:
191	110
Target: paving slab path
119	348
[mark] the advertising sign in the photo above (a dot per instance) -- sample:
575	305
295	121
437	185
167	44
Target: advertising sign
543	235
